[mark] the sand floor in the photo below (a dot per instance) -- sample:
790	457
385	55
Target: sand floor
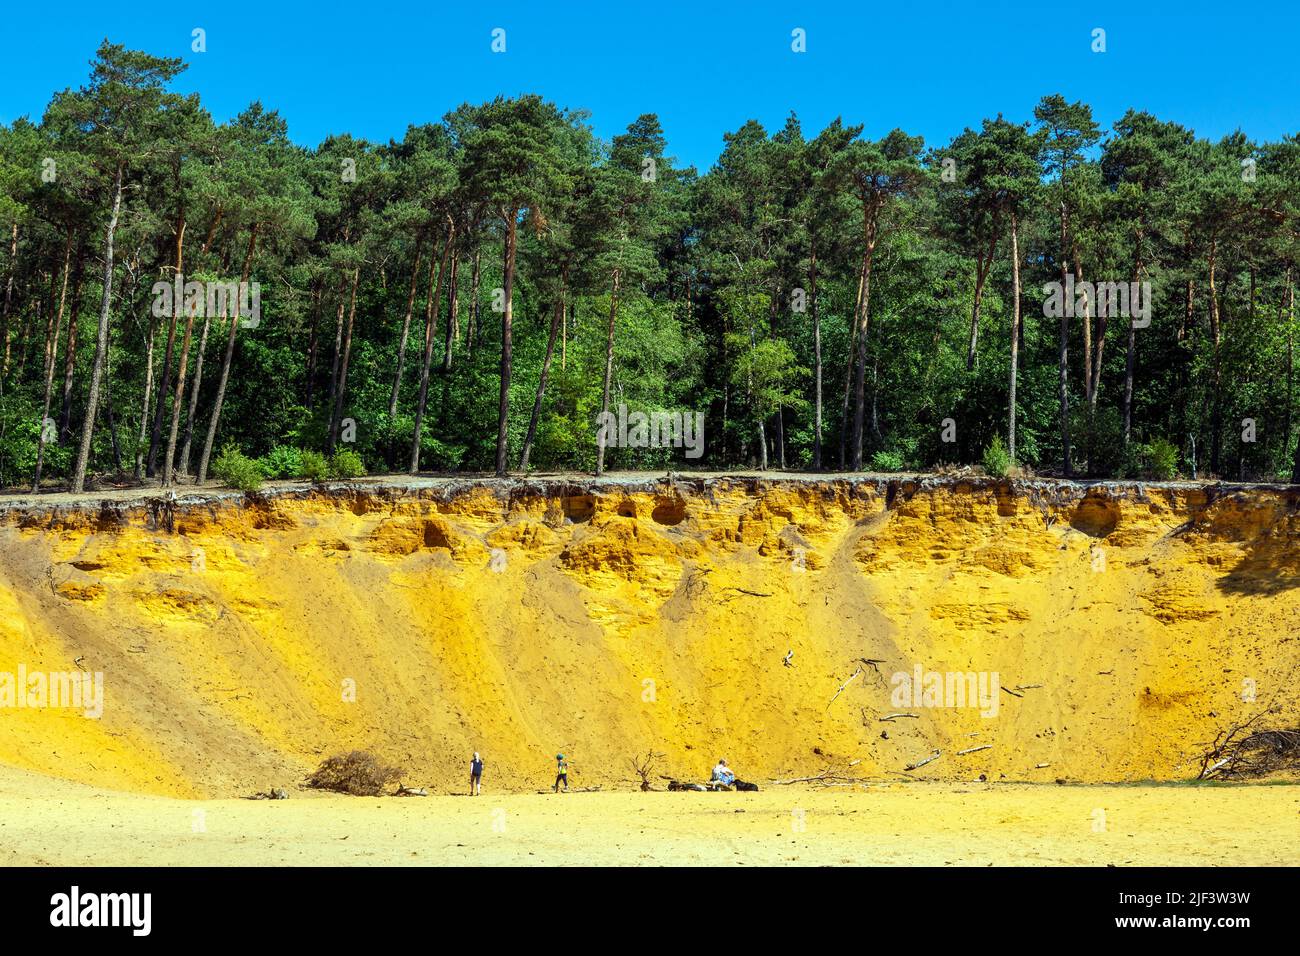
45	822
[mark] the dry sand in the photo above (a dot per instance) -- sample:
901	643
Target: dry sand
243	641
45	822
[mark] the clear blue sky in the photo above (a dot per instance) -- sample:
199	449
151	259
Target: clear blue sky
927	66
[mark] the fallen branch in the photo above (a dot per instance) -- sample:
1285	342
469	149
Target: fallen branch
971	750
897	715
930	759
826	777
856	674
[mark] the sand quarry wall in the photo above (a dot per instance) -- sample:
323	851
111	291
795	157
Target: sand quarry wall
243	639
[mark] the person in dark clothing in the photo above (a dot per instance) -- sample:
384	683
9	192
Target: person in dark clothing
561	773
475	775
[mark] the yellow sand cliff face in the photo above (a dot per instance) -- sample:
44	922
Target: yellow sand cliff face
1117	630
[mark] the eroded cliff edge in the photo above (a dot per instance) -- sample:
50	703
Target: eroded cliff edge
242	638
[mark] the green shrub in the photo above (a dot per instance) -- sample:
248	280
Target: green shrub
234	469
346	464
1163	456
440	456
20	432
1157	460
887	461
314	467
996	460
283	461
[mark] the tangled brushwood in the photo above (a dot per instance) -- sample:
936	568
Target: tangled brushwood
359	773
1240	753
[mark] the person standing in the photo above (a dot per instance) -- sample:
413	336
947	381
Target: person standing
475	775
561	773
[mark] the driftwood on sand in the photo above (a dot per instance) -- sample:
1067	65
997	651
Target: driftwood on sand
921	763
1244	752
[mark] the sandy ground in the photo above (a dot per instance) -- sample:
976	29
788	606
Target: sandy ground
44	822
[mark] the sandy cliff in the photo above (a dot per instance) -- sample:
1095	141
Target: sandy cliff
241	640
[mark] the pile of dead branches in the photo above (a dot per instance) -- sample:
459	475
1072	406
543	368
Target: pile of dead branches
1244	753
359	773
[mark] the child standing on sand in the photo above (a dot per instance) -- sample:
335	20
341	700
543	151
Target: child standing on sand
475	775
561	773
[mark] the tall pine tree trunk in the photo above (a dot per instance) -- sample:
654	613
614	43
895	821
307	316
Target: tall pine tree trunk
336	415
1093	352
9	295
1290	286
192	409
779	436
475	278
1015	338
1216	445
983	266
140	450
1086	326
164	384
1130	355
1063	357
817	356
406	326
609	375
453	311
762	430
507	331
863	322
564	339
224	377
430	330
51	357
848	376
1290	353
557	319
70	357
101	341
338	339
169	461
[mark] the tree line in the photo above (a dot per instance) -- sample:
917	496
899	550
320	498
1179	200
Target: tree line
1044	295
